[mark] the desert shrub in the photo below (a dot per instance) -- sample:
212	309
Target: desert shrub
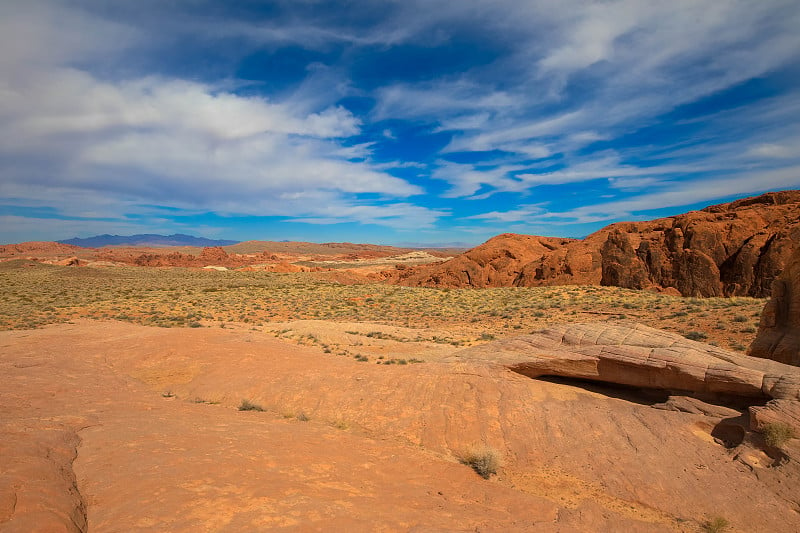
776	434
302	417
716	525
696	336
483	460
246	405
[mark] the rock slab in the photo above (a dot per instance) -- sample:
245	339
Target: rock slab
638	356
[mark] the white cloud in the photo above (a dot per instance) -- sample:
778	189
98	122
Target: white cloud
678	194
402	216
49	229
773	151
466	180
523	213
67	133
441	100
635	60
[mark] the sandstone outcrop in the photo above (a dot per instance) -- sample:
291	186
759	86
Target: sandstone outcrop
639	356
69	261
779	332
209	256
213	255
37	247
499	262
733	249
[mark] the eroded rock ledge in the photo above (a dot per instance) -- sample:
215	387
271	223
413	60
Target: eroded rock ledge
639	356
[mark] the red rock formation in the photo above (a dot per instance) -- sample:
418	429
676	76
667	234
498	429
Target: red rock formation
213	256
38	247
639	356
69	261
498	262
174	259
779	332
734	249
209	256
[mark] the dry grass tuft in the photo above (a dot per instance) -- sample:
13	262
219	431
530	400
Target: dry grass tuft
246	405
716	525
483	459
776	434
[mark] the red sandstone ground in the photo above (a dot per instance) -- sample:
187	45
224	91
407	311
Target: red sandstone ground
131	428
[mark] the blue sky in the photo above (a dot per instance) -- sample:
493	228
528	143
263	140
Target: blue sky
388	121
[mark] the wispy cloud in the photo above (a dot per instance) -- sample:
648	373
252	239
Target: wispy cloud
608	69
666	195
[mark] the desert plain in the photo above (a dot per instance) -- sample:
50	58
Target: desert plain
213	399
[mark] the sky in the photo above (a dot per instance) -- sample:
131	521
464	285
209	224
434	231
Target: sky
411	122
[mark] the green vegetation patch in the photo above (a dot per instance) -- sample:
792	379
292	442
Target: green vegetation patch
33	295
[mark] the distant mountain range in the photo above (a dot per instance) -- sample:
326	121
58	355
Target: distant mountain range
146	239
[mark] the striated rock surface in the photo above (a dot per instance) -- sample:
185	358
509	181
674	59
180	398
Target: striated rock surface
38	488
779	332
639	356
161	445
733	249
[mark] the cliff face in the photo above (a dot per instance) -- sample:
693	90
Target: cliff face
734	249
779	332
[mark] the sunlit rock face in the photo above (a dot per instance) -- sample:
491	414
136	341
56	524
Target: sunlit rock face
733	249
779	332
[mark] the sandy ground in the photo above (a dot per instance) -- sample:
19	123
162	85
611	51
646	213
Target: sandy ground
109	426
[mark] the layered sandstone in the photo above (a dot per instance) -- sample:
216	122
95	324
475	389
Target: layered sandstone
638	356
733	249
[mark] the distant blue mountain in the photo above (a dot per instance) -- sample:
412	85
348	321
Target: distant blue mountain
148	239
